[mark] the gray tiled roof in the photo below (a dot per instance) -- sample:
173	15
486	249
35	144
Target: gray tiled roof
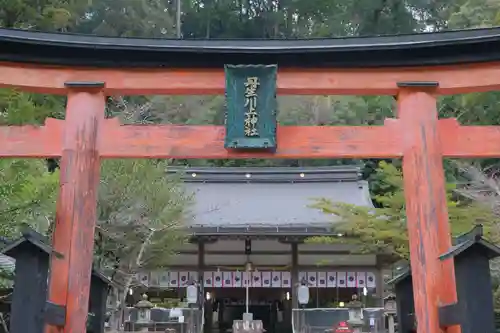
270	203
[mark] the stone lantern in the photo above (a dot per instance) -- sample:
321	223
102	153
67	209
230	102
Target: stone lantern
144	310
390	308
355	314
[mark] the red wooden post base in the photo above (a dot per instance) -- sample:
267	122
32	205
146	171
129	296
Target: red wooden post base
76	208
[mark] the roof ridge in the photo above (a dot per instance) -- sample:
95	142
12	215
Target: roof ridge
346	168
434	48
268	174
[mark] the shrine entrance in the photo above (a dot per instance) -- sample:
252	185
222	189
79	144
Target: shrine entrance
229	305
414	68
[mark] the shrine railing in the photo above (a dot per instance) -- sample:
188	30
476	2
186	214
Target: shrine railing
162	321
327	320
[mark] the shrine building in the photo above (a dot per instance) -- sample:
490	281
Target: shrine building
261	217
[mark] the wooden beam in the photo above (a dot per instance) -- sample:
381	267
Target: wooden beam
426	207
32	141
76	207
181	141
337	81
469	141
186	141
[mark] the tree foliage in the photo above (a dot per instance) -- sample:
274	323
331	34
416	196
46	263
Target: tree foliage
27	195
141	216
384	229
141	213
27	191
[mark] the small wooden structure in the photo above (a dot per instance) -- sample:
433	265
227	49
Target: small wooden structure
405	303
99	290
414	68
473	311
32	256
29	308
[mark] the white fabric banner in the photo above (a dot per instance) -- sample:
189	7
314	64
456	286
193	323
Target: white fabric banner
228	279
154	279
165	279
218	279
276	280
194	276
312	279
143	278
183	279
370	280
302	276
247	279
341	279
257	279
361	279
351	280
286	279
208	279
266	279
237	279
322	279
331	281
174	279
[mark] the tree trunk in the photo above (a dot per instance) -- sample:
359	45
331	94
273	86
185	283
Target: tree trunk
121	295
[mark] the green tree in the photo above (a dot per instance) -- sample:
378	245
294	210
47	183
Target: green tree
128	18
46	15
27	191
384	229
28	195
141	214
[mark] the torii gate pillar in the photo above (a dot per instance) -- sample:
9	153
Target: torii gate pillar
76	206
426	204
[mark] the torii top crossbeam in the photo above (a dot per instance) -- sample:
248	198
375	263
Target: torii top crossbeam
354	66
415	68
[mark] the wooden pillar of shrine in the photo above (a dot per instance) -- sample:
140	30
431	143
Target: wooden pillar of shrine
295	275
426	204
201	270
76	207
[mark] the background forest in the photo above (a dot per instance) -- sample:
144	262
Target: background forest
28	191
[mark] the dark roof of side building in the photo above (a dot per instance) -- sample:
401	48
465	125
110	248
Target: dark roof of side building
270	197
439	48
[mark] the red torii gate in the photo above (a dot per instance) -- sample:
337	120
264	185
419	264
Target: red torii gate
86	69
